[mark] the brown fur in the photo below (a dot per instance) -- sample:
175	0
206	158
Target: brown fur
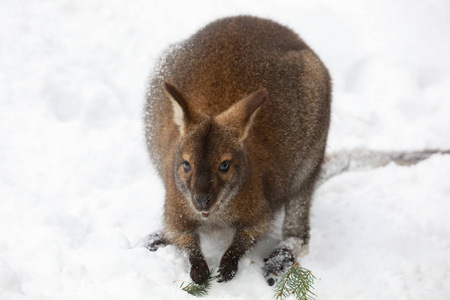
250	92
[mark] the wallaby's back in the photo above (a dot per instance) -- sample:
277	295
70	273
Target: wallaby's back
229	59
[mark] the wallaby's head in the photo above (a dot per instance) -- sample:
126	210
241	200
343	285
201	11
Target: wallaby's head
211	161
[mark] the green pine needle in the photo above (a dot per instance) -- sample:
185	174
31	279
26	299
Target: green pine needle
199	290
297	281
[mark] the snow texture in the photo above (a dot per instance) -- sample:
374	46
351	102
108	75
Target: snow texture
78	194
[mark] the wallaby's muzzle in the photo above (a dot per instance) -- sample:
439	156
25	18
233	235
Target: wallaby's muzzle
202	201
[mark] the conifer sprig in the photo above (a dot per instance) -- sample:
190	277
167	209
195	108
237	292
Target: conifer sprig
199	290
298	281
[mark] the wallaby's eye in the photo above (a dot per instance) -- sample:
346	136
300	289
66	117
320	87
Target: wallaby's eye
224	166
186	166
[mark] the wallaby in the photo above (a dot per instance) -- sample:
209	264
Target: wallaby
237	120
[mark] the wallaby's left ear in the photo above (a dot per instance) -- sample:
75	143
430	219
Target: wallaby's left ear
240	115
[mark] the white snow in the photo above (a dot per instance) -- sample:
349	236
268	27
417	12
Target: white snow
77	191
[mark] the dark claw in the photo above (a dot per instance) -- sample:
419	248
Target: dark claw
228	266
227	270
199	271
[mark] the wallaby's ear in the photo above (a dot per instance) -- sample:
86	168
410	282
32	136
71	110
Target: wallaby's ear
240	115
182	113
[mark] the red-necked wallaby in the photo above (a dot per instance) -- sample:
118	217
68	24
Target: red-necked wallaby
237	119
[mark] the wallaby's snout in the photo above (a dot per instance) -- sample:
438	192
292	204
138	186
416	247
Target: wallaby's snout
202	201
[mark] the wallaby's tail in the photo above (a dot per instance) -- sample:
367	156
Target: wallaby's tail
343	161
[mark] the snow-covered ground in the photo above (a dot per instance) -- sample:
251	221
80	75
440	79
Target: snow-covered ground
77	191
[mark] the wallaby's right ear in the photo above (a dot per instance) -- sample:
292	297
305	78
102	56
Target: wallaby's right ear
182	113
240	115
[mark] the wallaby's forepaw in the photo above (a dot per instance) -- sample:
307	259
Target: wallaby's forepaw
228	266
277	263
154	241
199	271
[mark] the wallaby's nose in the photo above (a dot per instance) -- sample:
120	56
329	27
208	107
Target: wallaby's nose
202	200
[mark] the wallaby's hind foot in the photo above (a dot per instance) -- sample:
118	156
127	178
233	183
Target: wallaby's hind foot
277	263
154	241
